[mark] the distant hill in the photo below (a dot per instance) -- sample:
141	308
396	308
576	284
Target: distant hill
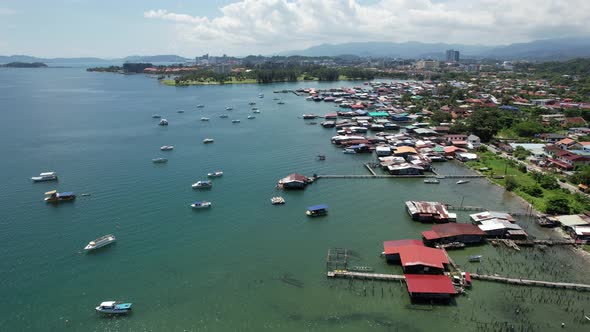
24	65
155	58
85	60
542	50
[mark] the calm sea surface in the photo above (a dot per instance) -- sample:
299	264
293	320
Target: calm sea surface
243	265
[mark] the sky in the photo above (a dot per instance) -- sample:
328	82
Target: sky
118	28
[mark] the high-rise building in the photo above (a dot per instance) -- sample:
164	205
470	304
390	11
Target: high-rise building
452	56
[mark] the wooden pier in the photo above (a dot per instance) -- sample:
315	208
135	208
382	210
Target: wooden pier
368	166
527	282
464	208
365	275
385	176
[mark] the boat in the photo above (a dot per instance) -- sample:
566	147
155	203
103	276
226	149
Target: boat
260	95
200	106
204	119
156	116
277	200
321	157
114	308
201	205
55	197
204	184
235	121
255	108
309	116
163	122
475	258
229	108
349	151
317	210
86	194
256	111
167	147
462	181
250	117
215	174
251	103
100	242
432	181
180	111
159	160
224	116
208	140
281	103
45	176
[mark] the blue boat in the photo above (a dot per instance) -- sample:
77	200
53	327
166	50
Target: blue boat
317	210
114	308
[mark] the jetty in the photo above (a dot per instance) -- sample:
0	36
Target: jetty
527	282
386	176
365	275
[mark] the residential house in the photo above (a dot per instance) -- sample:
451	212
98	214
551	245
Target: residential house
551	137
474	141
575	121
567	144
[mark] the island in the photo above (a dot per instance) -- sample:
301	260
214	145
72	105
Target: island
24	65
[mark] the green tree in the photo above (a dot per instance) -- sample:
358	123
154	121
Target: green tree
557	205
511	183
533	190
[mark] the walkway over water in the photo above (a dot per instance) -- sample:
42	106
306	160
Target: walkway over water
377	176
364	275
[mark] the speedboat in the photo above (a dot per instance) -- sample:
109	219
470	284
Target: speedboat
462	181
100	242
432	181
317	210
235	121
260	95
224	116
277	200
180	111
250	117
205	184
309	116
201	205
256	111
156	116
204	119
200	106
159	160
167	147
229	108
114	308
208	140
46	176
55	197
215	174
163	122
349	151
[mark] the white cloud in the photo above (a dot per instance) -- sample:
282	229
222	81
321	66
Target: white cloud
266	26
7	11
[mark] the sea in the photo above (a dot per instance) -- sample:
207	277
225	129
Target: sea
244	264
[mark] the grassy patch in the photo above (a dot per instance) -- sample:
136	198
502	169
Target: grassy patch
586	247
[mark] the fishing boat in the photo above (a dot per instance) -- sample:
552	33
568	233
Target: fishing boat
100	242
462	181
204	184
159	160
114	308
277	200
215	174
200	106
235	121
208	140
167	147
201	205
55	197
251	117
156	116
255	108
45	176
204	119
224	116
432	181
475	258
163	122
317	210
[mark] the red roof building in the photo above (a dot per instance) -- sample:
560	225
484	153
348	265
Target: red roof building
294	181
423	286
454	232
415	258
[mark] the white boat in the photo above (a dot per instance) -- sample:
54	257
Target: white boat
256	111
255	108
260	95
432	181
156	116
349	151
167	147
235	121
462	181
208	140
201	205
159	160
205	184
45	176
114	308
200	106
100	242
475	258
163	122
204	119
277	200
229	108
250	117
215	174
224	116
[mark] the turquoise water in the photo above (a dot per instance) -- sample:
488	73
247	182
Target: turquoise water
243	265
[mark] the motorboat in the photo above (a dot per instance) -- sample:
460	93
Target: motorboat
251	117
163	122
54	197
349	151
204	119
251	103
277	200
260	95
200	106
229	108
309	116
208	140
100	242
180	111
281	102
255	108
256	111
167	147
462	181
321	157
156	116
475	258
45	176
235	121
201	205
159	160
215	174
432	181
317	210
204	184
114	308
224	116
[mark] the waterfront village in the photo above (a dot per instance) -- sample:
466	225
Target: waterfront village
397	123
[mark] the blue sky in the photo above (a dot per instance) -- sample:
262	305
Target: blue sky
108	28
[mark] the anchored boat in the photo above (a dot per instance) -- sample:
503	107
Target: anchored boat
159	160
462	181
475	258
100	242
317	210
201	205
277	200
432	181
208	140
114	308
55	197
205	184
46	176
215	174
163	122
167	147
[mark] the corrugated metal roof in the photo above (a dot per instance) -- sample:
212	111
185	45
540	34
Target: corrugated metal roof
430	284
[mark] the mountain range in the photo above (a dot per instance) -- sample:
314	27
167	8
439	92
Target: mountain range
61	61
